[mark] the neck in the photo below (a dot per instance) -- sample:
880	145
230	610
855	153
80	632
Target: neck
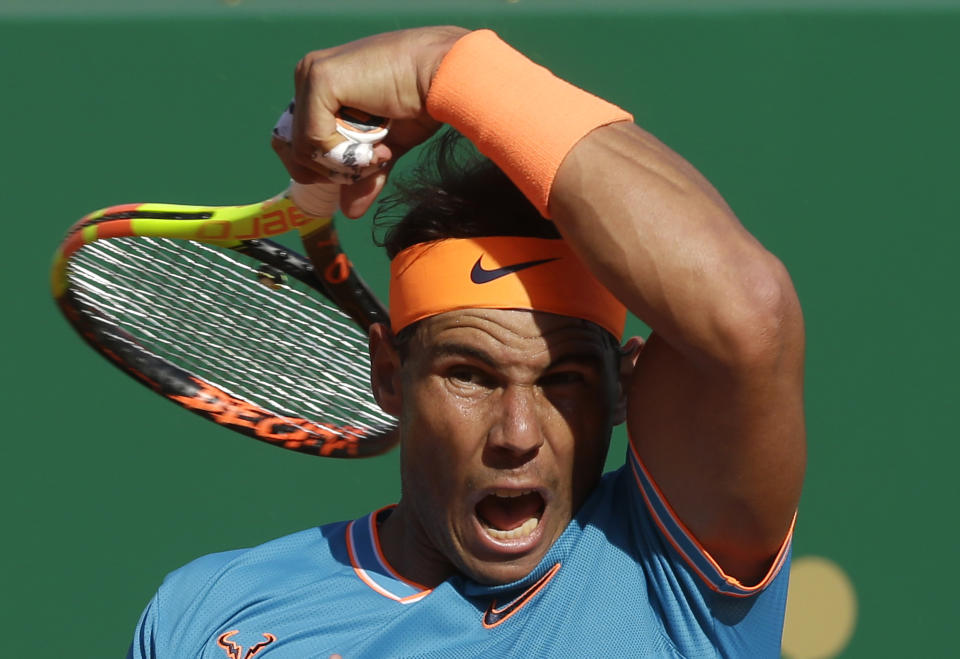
407	549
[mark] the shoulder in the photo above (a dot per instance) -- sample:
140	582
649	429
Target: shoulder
289	554
196	599
213	586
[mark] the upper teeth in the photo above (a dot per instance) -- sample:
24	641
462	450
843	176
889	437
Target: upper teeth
510	494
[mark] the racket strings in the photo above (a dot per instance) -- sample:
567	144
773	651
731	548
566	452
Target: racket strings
205	310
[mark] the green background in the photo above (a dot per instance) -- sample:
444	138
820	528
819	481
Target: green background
831	132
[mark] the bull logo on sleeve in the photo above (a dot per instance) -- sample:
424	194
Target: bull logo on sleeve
235	650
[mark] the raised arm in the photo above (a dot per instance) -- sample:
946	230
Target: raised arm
715	402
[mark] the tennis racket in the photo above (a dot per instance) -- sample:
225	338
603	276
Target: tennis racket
198	304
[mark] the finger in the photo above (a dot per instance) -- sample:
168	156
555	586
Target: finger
356	199
354	176
351	159
319	173
381	154
348	157
329	165
297	172
314	123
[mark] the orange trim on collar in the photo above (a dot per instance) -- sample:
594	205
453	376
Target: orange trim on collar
498	272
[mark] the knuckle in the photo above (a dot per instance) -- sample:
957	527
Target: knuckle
317	71
302	70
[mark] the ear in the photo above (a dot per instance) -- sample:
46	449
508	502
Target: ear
385	369
629	354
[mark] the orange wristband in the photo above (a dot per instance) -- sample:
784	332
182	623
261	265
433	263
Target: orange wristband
516	112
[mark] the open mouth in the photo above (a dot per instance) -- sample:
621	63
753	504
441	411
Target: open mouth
510	514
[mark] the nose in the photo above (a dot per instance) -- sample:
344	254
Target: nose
517	433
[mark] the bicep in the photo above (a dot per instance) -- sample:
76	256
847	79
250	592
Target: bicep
725	448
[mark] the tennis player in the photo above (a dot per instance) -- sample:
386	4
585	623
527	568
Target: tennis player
509	289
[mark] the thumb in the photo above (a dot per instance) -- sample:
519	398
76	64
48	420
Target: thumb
356	199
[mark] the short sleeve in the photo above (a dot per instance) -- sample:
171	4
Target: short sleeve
703	610
676	534
143	645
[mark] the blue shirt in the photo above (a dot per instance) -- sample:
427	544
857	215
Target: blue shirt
624	579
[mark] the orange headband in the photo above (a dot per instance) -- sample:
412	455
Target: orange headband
498	272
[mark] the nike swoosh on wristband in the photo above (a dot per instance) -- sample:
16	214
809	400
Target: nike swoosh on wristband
494	616
479	275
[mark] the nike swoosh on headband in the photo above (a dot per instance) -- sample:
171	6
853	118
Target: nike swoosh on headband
480	275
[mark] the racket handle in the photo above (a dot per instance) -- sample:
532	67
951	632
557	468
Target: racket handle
316	199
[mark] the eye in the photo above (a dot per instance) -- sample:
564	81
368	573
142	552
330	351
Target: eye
463	374
562	378
468	376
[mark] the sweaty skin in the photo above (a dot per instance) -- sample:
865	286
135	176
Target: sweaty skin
505	420
714	403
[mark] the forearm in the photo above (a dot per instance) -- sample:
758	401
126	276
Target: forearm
646	222
650	226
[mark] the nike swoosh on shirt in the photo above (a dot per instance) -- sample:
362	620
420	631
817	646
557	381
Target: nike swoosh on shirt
480	275
494	616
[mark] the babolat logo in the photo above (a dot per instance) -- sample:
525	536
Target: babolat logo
235	650
281	219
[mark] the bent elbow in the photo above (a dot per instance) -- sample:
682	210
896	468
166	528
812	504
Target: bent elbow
763	326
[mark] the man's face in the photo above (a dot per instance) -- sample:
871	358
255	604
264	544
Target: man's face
505	421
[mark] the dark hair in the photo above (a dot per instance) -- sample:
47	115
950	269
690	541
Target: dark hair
454	192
